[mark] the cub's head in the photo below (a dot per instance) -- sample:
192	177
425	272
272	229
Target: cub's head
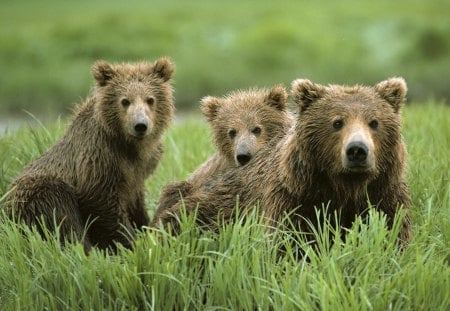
134	99
350	132
244	121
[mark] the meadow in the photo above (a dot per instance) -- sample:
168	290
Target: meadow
47	47
239	268
46	51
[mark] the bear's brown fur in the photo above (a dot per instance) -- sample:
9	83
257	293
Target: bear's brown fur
345	149
93	177
242	123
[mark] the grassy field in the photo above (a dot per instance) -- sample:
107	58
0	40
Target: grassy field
48	46
238	268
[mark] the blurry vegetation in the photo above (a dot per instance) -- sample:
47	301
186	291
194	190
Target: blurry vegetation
47	47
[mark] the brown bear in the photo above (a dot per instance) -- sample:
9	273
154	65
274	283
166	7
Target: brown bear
93	177
345	150
242	123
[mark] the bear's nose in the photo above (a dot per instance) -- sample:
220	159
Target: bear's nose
243	158
357	152
140	128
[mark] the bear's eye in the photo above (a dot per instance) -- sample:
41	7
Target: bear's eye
338	124
256	130
232	133
373	124
150	101
125	102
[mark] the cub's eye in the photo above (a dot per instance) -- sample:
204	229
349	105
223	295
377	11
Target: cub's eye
256	130
232	133
150	101
338	124
373	124
125	102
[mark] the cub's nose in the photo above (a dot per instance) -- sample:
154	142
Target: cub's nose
140	128
243	158
357	152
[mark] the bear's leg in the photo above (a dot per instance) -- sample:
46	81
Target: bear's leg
138	213
393	202
172	194
47	201
171	214
209	213
406	231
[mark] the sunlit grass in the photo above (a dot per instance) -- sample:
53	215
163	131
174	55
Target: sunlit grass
241	266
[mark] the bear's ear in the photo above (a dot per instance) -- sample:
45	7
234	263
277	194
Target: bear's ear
392	90
163	68
277	98
102	72
305	92
210	107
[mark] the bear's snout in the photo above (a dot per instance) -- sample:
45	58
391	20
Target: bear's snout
243	154
139	123
140	128
357	152
243	158
245	148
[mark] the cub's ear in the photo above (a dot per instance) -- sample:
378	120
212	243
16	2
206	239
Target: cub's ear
210	107
393	91
102	72
277	97
163	68
305	93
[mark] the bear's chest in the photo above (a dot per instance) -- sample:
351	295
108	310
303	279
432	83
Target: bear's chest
132	174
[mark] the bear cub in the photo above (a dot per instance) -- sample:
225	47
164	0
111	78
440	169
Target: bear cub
242	123
93	177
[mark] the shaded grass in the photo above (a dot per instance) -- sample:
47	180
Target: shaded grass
240	266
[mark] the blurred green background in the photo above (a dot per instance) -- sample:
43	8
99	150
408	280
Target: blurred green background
47	47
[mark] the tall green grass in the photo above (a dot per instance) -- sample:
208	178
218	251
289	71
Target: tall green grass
240	267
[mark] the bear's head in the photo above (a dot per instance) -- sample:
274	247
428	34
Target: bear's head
245	121
350	132
134	100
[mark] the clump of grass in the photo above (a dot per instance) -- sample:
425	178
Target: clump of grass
18	148
237	268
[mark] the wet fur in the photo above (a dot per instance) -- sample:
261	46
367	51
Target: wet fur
241	111
302	171
93	177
